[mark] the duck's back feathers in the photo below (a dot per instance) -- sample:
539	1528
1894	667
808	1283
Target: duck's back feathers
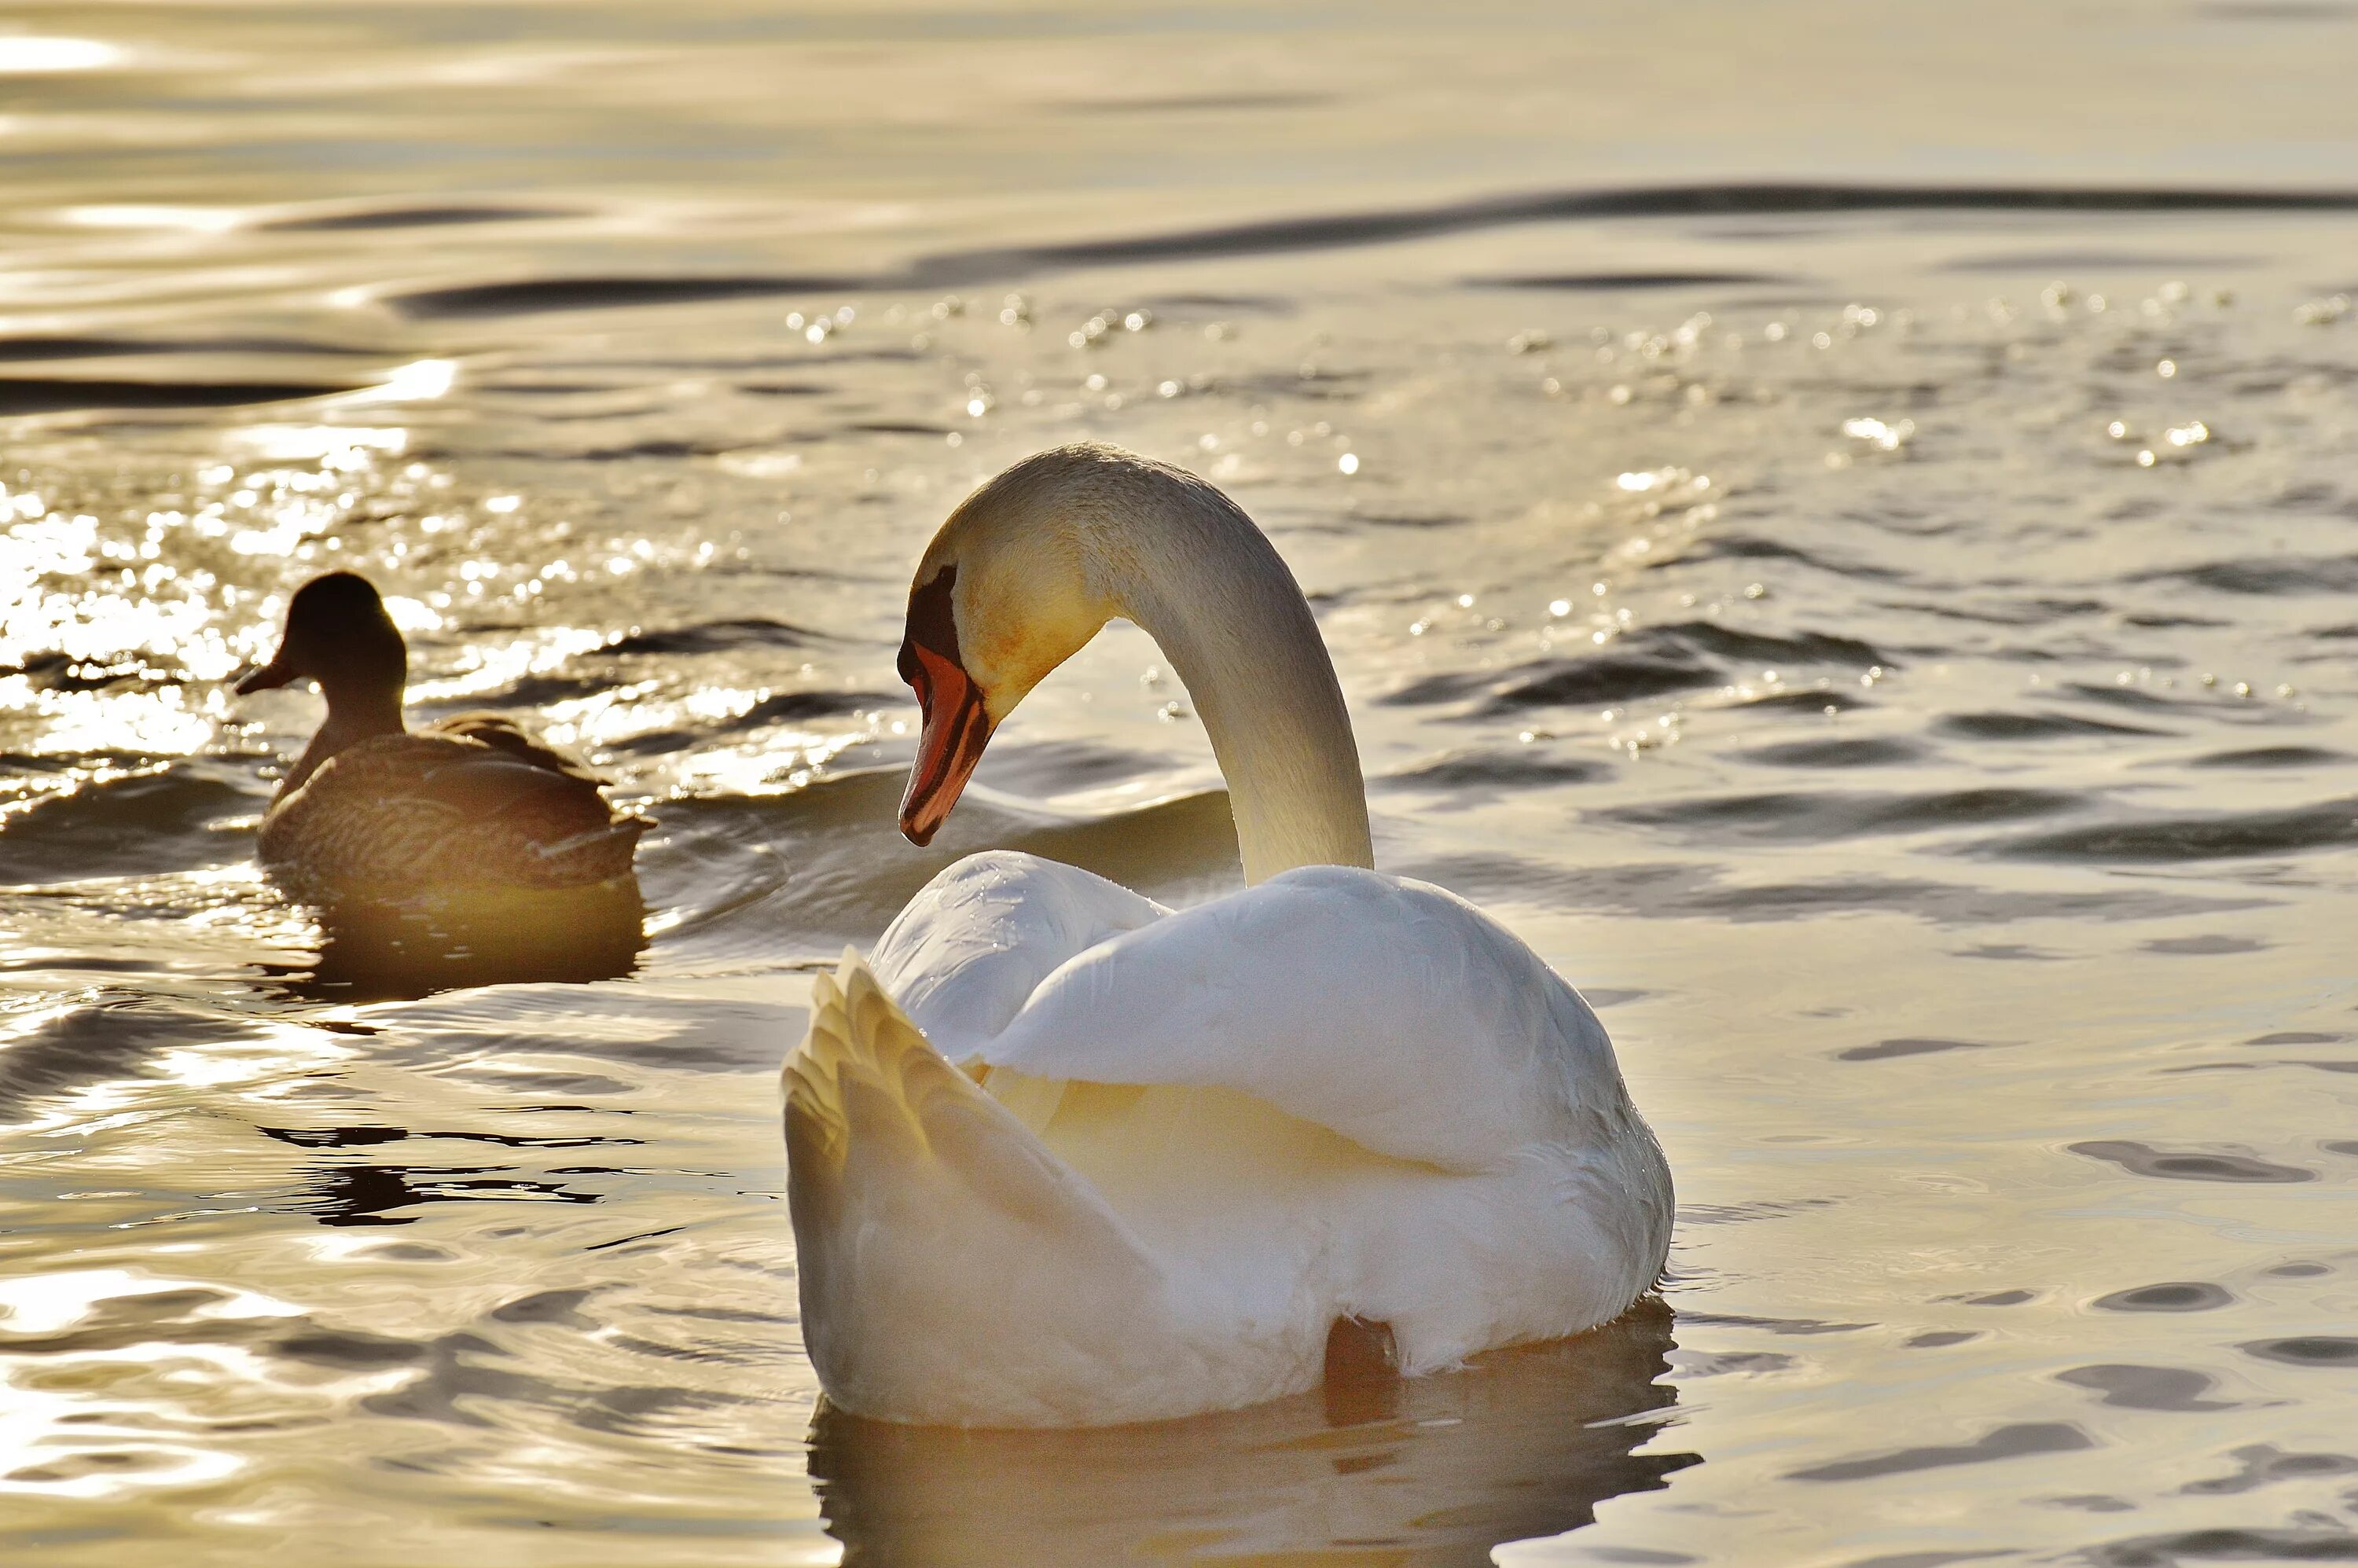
456	807
502	733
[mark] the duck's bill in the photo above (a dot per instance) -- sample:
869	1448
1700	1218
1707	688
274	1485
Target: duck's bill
269	678
956	727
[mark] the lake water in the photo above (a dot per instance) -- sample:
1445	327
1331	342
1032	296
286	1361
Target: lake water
1837	524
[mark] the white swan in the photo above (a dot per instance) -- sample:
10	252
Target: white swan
1065	1157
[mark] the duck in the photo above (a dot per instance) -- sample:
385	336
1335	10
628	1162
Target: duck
463	809
1059	1156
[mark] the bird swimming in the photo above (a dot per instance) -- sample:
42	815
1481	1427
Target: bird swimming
1059	1156
467	807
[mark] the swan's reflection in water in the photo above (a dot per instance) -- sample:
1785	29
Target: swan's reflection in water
1430	1471
399	952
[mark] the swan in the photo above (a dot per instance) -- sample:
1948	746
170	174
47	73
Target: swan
469	808
1059	1156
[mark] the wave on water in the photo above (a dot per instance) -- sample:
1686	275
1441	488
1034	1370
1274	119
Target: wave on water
2193	835
58	395
182	815
969	268
1649	662
808	872
1668	889
1820	815
118	1032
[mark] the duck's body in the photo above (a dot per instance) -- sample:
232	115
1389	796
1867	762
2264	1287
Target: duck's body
464	806
1058	1156
445	809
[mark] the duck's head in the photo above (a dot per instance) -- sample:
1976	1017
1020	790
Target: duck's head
338	634
1008	589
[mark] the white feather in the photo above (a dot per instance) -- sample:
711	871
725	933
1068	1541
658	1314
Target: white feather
1198	1140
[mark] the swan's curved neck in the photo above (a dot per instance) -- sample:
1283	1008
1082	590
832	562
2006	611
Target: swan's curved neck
1212	592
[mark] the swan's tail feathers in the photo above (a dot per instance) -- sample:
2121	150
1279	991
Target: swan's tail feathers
838	1058
865	1087
874	1112
932	1229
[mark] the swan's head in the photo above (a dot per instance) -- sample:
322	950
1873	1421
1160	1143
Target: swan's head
1007	591
338	634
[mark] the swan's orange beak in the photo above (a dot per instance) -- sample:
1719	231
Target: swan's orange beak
956	720
956	728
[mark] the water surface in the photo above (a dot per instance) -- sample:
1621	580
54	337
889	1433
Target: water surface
1839	528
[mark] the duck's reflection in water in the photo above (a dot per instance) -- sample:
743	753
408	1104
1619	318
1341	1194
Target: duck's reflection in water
1427	1471
382	952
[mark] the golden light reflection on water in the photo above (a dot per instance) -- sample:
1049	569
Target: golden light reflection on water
777	766
156	723
1774	615
492	665
337	448
418	382
23	55
149	215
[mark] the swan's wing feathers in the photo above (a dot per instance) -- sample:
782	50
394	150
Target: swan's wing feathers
1390	1010
970	948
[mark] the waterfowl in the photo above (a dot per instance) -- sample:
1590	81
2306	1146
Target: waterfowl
1059	1156
468	805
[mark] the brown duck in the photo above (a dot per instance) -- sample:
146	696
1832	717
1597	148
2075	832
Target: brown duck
467	805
